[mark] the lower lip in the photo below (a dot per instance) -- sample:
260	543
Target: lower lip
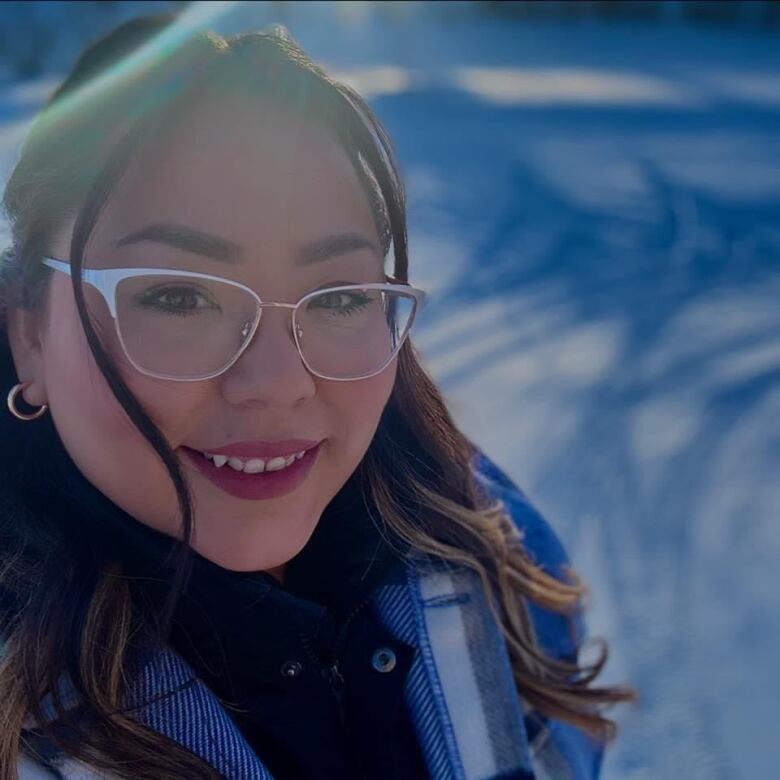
269	484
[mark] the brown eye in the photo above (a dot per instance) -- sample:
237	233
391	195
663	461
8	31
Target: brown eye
181	300
342	302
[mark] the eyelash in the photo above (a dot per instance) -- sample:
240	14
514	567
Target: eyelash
357	301
151	299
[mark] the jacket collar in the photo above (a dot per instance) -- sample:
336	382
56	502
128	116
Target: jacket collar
459	691
237	628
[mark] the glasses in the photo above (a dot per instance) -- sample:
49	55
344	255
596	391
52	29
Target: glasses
188	326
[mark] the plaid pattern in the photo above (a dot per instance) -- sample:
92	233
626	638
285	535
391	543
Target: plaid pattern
459	691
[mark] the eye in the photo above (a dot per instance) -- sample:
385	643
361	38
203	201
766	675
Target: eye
182	300
343	302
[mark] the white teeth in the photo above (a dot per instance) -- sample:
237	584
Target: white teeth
254	465
275	464
236	463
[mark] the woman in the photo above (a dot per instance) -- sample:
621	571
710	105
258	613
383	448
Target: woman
242	536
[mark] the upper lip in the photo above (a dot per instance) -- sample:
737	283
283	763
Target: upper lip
263	449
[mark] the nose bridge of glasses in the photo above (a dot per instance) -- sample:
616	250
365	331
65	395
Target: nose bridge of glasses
264	304
277	305
288	319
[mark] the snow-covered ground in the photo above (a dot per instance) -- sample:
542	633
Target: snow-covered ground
595	211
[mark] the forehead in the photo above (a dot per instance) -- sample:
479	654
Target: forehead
257	175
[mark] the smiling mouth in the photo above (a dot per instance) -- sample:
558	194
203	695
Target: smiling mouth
254	465
245	479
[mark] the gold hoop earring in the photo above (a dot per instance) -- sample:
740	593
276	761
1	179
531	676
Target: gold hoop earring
15	390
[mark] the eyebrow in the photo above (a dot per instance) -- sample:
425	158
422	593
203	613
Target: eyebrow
226	251
332	246
187	239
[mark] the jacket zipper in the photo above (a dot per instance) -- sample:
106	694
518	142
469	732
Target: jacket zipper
331	671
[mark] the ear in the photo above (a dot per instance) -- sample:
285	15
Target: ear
25	340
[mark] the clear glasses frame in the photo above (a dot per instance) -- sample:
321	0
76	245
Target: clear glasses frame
105	281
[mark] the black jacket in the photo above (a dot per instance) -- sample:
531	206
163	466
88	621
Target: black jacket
304	668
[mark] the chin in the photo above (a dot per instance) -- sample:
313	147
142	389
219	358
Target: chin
250	551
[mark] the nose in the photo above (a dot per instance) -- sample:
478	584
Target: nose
270	370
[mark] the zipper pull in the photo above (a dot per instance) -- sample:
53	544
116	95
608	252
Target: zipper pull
334	676
335	680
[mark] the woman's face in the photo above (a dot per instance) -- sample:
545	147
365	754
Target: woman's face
266	185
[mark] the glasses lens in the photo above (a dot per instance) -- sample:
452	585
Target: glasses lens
346	333
181	326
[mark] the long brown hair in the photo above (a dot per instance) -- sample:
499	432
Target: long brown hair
416	476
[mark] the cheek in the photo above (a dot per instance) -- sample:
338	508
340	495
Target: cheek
97	433
81	401
358	406
74	381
